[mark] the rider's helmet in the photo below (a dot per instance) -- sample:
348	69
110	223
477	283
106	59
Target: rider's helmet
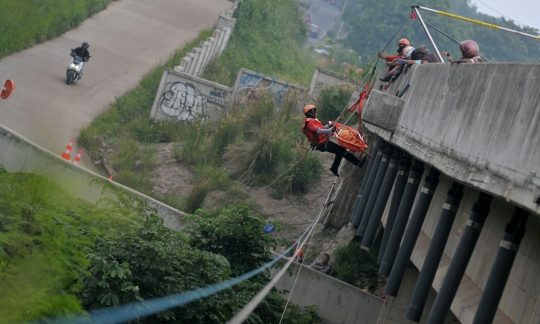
469	48
422	49
310	110
85	44
407	52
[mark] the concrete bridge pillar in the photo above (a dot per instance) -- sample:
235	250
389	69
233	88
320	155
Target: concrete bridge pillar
369	184
435	252
382	200
460	260
376	188
405	206
508	248
413	230
399	188
364	181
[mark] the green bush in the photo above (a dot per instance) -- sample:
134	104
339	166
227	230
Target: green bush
24	23
332	101
297	176
354	265
268	37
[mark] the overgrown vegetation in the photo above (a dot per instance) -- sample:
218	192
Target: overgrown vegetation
125	128
24	23
254	143
61	256
332	101
268	38
355	266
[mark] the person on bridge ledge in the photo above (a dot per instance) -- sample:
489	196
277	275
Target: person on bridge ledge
323	265
319	137
470	53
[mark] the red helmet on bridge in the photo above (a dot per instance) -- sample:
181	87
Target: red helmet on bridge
469	48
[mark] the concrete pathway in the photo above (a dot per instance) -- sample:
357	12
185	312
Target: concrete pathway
126	41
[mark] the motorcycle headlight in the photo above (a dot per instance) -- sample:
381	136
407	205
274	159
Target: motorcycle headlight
73	66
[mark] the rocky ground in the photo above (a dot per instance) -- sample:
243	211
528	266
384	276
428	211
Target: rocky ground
294	213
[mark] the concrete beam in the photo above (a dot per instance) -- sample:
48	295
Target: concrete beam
478	124
383	110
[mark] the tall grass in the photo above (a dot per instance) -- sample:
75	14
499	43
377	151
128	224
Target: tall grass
332	101
268	37
24	23
354	265
255	140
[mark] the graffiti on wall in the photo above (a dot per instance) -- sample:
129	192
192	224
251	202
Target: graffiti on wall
252	84
183	101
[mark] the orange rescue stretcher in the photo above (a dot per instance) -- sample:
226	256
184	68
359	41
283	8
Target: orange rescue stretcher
349	138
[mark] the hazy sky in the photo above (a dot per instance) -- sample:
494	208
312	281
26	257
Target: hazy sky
522	12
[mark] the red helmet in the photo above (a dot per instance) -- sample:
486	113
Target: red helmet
469	48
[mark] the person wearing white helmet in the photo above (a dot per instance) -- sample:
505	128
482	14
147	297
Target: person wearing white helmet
409	53
424	57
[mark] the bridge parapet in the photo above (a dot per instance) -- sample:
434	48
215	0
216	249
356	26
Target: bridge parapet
477	123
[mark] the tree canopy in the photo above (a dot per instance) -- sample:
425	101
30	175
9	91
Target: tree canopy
61	256
370	25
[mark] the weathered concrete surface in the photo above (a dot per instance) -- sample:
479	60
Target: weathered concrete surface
18	154
323	78
337	301
383	110
479	124
184	97
126	40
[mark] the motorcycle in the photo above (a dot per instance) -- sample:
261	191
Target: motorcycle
74	68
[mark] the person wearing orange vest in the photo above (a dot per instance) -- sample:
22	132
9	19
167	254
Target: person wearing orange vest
319	137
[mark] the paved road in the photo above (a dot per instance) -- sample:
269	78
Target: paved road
323	16
126	41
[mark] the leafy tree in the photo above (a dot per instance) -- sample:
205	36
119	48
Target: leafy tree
372	23
236	234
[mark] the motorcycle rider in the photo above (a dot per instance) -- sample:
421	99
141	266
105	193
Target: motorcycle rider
83	53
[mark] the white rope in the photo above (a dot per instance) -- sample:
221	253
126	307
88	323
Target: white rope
244	313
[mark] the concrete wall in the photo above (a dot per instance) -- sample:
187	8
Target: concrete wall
382	110
195	63
249	82
17	154
184	97
323	78
479	124
337	301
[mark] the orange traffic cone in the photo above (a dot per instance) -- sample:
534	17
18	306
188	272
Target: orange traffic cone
78	158
110	178
67	153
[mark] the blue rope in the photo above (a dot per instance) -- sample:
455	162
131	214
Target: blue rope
136	310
